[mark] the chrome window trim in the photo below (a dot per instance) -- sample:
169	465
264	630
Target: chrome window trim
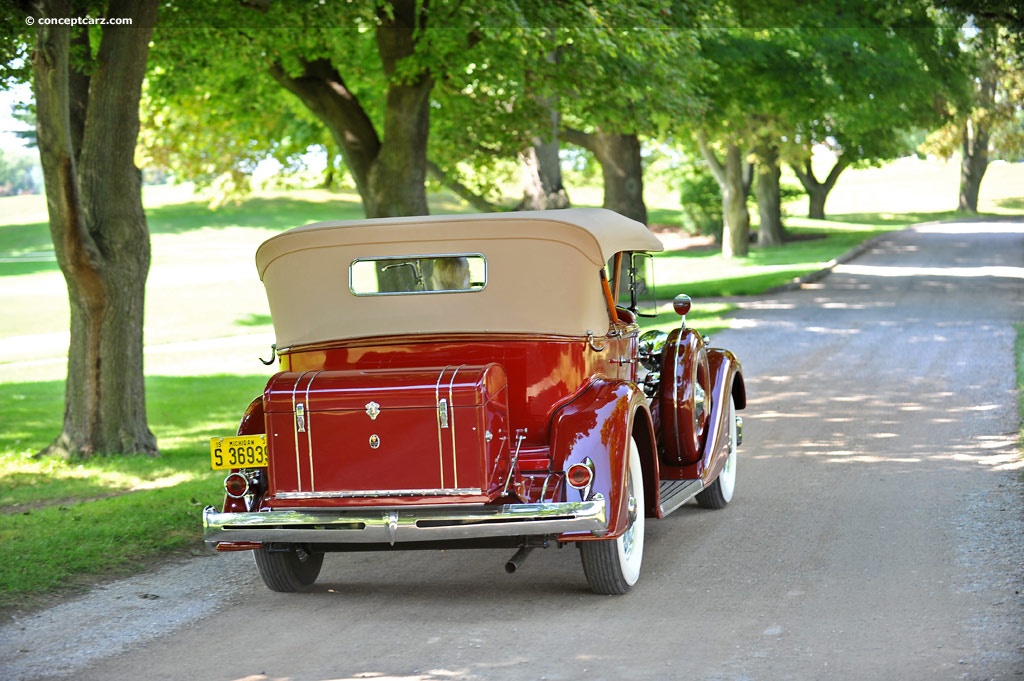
410	257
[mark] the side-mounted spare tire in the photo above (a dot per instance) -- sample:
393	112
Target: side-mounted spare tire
684	397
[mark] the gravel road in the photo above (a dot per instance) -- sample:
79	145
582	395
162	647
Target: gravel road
877	530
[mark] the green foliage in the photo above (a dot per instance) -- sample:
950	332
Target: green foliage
496	67
15	39
212	120
701	199
994	104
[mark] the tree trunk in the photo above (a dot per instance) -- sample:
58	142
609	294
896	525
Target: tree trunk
769	197
541	178
398	176
88	123
389	171
975	137
622	171
817	192
621	168
734	177
541	169
973	165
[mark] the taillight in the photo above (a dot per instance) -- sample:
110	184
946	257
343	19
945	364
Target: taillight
236	485
580	476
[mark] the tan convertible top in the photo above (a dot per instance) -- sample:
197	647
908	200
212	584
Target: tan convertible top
542	274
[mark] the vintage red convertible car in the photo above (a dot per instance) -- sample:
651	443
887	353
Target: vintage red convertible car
472	381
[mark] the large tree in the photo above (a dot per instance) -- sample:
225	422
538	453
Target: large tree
881	83
853	75
759	88
622	83
492	75
991	122
389	164
366	71
87	84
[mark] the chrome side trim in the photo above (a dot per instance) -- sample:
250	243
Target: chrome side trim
440	441
675	397
398	525
296	411
309	429
451	401
455	492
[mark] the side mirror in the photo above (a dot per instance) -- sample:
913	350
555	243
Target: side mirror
641	285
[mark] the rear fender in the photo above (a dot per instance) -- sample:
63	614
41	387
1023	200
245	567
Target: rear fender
251	424
252	420
727	379
598	424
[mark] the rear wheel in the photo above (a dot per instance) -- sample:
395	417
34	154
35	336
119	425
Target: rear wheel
719	493
612	566
288	570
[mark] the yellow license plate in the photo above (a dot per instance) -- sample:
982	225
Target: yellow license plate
241	451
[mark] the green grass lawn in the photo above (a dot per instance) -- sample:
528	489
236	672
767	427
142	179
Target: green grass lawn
207	322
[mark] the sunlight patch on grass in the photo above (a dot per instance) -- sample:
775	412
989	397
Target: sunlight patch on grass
24	479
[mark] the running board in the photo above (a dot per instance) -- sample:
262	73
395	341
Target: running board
675	493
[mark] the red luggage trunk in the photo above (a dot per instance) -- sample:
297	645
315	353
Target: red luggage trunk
438	433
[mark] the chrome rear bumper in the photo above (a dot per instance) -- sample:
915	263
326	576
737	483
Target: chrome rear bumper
398	525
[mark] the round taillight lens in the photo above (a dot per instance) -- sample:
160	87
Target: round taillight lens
237	485
579	476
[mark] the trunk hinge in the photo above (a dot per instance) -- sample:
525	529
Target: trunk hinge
520	436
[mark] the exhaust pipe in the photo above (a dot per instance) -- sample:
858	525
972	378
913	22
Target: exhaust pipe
516	561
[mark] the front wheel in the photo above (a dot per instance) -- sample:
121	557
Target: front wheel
288	570
719	493
612	566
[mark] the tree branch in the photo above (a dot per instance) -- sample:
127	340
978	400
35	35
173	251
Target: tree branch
578	137
463	192
717	169
321	88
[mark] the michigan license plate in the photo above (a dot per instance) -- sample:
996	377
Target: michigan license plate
238	451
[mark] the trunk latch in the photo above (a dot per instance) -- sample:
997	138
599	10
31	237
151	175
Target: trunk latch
442	412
